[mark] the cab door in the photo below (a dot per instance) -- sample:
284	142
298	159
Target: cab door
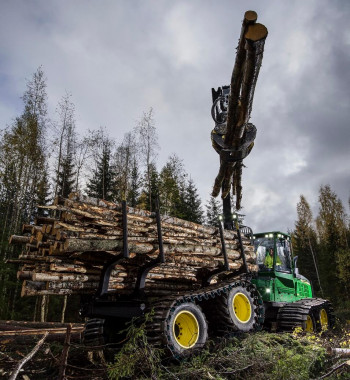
284	279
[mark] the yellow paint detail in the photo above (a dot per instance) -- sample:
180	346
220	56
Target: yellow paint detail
186	329
241	307
324	319
309	324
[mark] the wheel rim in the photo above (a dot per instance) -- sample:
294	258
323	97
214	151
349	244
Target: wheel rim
323	319
241	307
186	329
309	324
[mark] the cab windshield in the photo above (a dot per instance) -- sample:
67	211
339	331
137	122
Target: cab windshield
265	248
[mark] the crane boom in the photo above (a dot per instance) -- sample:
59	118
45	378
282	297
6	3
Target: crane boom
233	136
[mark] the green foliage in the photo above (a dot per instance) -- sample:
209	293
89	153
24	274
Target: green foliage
254	356
102	183
150	192
213	211
135	185
305	243
331	228
136	358
192	203
324	250
66	176
343	266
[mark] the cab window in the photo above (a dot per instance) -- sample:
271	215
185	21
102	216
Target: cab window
283	257
262	247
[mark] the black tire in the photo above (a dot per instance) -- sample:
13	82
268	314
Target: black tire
185	329
235	311
94	332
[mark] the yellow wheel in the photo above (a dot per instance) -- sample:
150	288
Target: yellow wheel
239	311
309	324
323	318
186	329
241	307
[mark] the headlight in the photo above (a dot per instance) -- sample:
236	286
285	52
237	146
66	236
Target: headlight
268	290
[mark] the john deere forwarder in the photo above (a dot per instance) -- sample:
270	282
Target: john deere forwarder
275	296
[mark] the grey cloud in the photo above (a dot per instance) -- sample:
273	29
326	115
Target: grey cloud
118	58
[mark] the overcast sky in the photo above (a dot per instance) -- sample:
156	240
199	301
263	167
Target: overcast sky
119	58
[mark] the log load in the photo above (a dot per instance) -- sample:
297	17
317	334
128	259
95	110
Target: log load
66	254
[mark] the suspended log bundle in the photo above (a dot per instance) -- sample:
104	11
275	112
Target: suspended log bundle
236	134
66	255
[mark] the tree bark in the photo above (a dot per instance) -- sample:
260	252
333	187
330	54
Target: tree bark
21	363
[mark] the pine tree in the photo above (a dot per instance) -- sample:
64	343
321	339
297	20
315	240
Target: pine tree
213	211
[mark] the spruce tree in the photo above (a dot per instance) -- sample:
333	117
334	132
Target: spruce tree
172	187
305	244
213	207
102	184
66	176
331	228
150	189
135	186
193	207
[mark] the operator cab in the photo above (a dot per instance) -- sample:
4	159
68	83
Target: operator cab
273	251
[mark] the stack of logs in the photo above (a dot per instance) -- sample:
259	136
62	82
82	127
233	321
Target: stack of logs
65	254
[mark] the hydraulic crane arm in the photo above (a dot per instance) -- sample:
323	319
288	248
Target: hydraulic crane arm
233	136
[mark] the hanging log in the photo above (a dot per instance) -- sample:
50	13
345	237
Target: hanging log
243	81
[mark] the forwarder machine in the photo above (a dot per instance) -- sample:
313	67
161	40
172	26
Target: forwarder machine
274	295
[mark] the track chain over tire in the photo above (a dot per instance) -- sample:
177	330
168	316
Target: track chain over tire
222	317
159	329
296	314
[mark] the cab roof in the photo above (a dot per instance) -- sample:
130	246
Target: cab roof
271	232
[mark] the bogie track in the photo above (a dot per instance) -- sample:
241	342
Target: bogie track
311	314
162	329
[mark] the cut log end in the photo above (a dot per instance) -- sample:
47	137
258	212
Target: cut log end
256	32
250	17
